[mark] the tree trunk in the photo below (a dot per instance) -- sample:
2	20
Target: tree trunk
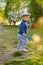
14	23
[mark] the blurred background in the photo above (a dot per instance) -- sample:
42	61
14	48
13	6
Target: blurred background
10	20
10	11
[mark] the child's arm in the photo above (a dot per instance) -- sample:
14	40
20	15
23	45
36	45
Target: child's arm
28	37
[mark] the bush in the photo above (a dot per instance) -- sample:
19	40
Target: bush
26	61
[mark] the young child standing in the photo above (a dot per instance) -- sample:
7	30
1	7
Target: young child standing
22	41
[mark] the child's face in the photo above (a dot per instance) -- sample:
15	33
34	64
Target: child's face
26	18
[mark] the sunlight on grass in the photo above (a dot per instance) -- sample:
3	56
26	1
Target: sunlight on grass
8	40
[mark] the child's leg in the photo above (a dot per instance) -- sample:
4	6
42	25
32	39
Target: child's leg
24	42
19	42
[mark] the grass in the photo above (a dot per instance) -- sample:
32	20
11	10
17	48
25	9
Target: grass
26	61
16	54
9	40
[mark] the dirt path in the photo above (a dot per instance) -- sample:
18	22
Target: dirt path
6	55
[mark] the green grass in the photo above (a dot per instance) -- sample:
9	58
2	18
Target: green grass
26	61
17	54
9	40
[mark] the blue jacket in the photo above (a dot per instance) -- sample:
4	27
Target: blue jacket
23	28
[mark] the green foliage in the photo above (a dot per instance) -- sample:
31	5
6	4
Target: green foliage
8	7
40	2
14	6
35	10
26	61
35	6
16	54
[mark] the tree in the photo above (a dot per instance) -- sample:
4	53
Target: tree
14	6
35	10
11	6
40	2
13	17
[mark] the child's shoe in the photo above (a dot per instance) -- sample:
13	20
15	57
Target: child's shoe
25	50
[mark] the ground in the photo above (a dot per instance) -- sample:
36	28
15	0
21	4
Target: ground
9	40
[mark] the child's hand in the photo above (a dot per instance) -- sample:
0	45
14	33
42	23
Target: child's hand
28	37
24	34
